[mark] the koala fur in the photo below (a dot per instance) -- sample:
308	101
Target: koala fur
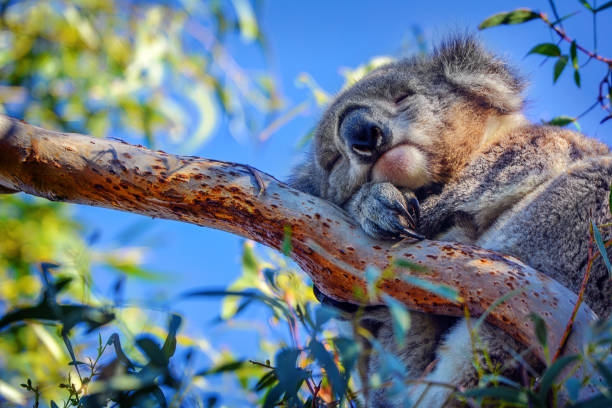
447	129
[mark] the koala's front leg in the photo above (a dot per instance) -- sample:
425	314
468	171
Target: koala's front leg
385	212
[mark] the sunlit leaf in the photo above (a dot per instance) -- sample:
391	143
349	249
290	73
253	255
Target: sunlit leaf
513	17
560	121
586	4
574	55
372	275
246	19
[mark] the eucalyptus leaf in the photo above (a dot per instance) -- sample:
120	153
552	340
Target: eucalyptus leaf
560	121
603	7
513	17
548	49
574	55
551	374
601	247
502	393
559	67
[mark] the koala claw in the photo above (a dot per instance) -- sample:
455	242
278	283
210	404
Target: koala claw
386	213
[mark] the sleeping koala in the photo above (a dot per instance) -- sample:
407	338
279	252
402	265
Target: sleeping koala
437	147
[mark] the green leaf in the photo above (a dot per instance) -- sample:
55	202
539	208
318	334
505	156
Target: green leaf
247	20
506	394
603	7
273	396
326	360
574	55
287	240
560	121
400	317
152	350
601	247
290	378
222	368
577	78
444	291
170	344
551	374
548	49
564	18
323	314
372	275
586	4
540	329
402	263
559	67
513	17
266	380
610	199
114	340
349	351
250	266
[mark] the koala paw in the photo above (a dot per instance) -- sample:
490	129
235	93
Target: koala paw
386	213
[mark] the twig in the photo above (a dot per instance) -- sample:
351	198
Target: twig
564	36
570	323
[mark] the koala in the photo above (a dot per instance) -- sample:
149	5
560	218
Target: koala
436	147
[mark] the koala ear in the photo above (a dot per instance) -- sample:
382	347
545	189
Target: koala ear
468	66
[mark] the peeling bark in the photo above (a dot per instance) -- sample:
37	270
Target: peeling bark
327	244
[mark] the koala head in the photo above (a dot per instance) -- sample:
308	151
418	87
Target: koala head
413	122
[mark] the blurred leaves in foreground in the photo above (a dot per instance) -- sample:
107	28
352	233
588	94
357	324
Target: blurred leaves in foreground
155	68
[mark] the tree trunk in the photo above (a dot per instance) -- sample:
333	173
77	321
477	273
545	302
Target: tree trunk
327	244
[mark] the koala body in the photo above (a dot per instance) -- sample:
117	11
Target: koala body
447	130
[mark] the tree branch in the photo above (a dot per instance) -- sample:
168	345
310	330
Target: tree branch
327	244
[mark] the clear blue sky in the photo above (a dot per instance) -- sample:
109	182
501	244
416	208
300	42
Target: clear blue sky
319	37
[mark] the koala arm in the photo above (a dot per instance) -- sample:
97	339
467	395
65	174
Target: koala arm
384	212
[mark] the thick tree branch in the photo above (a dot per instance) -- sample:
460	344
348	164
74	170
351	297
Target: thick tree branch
326	243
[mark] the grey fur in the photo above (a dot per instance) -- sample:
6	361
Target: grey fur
489	178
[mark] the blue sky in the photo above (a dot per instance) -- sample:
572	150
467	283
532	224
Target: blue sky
319	37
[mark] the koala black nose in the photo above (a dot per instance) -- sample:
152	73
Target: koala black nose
363	135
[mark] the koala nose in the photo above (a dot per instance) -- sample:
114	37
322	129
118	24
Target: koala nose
363	135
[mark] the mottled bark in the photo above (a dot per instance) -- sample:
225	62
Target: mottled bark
326	243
